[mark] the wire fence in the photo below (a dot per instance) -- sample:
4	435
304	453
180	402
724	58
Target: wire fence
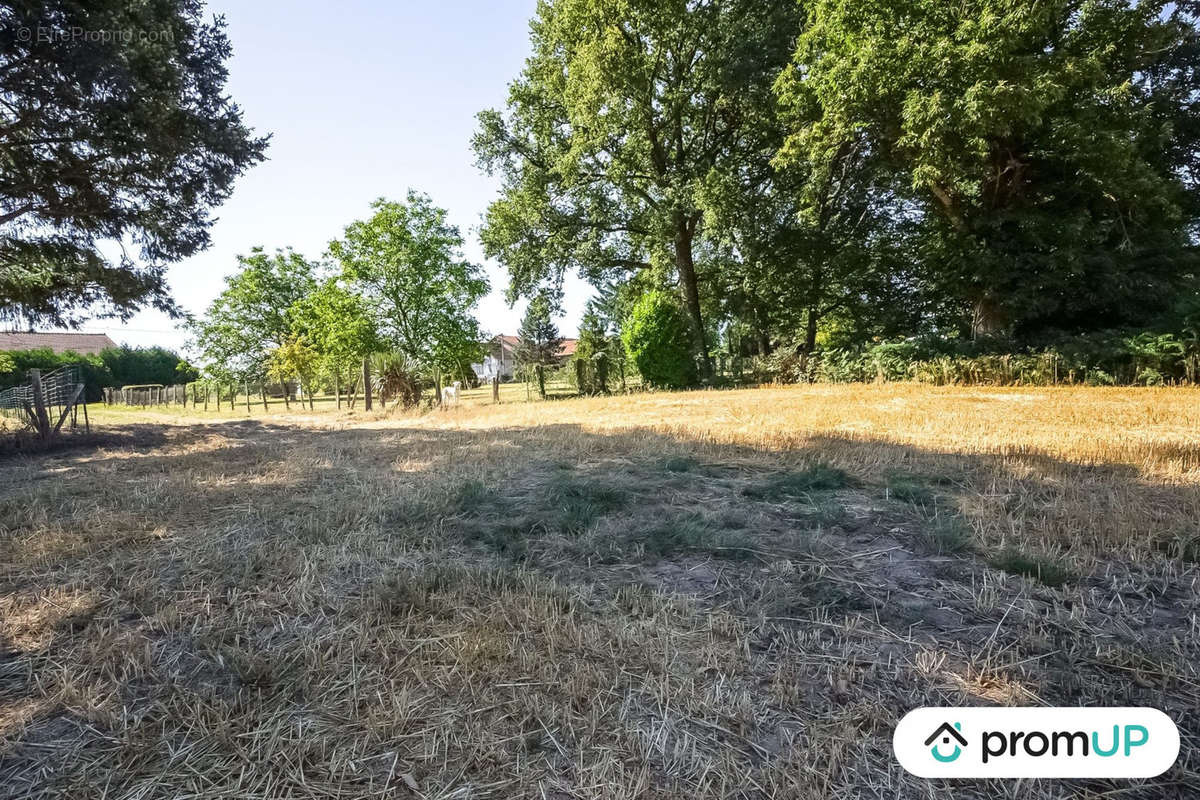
148	394
47	401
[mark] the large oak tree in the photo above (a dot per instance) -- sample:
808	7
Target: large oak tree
623	111
1050	147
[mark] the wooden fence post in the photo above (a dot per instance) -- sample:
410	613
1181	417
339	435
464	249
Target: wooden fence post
495	388
39	404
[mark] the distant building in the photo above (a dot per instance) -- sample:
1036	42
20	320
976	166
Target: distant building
88	344
501	359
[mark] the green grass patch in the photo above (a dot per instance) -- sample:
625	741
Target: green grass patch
507	524
575	504
692	533
1045	570
472	496
817	478
680	464
947	534
507	539
910	489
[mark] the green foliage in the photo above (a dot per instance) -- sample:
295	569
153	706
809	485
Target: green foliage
692	533
93	371
908	489
396	379
295	358
1044	148
593	354
254	316
579	503
622	112
656	338
124	138
1103	358
947	533
335	320
538	340
406	263
132	366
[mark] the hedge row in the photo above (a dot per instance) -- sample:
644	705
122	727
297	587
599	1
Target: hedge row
115	366
1105	359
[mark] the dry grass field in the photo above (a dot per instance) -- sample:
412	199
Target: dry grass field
699	595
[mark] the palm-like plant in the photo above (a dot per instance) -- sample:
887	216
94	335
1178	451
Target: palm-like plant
396	377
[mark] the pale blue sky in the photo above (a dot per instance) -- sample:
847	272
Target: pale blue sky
364	99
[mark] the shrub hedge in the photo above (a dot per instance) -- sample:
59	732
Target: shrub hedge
1102	359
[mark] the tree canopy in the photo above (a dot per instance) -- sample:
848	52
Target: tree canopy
129	140
336	321
827	171
255	314
538	340
623	111
1050	148
406	261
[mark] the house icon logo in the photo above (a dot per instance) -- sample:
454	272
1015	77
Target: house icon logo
946	732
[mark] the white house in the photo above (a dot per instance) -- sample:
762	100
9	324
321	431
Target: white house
501	361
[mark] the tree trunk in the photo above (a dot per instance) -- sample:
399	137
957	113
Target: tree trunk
987	319
762	331
541	378
581	378
305	391
810	332
691	297
337	387
366	384
287	401
437	386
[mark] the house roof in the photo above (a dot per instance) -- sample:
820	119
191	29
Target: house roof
83	343
566	349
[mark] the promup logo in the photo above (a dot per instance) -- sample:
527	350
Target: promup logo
1036	742
947	732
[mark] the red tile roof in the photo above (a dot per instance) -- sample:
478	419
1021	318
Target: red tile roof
83	343
565	350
